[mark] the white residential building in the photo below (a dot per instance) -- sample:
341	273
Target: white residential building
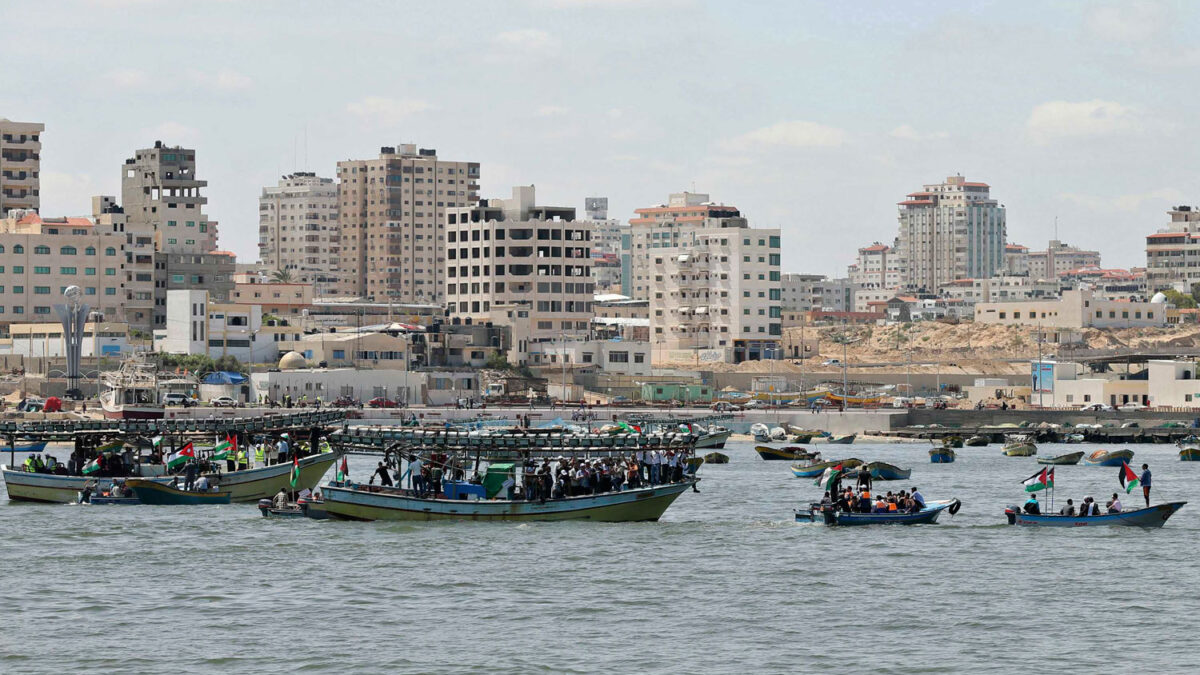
951	230
1060	258
1173	253
195	325
1075	309
712	281
298	232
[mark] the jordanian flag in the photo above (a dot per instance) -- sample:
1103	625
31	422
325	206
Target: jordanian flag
295	470
1039	481
91	467
343	471
178	459
1128	478
224	449
826	479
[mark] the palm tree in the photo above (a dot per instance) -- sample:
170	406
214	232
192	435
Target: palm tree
281	276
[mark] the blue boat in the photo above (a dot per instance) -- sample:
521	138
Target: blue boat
1154	516
160	494
1108	458
942	455
28	447
817	468
926	516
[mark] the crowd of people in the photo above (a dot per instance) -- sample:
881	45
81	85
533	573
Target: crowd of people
1087	507
860	500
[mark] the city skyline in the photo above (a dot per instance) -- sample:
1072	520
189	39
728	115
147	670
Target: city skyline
557	93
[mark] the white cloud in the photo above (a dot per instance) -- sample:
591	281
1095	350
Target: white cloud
380	109
1075	119
551	111
1164	197
224	79
127	78
171	133
525	42
1129	22
791	134
908	133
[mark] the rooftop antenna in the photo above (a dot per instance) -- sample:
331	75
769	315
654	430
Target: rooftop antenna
1055	228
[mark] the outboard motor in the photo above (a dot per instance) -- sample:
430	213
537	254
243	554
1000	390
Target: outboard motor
1011	512
264	505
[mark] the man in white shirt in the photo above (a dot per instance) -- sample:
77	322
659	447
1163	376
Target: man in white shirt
1115	505
415	480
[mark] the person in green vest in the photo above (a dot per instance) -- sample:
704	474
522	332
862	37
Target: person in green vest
241	459
29	468
260	457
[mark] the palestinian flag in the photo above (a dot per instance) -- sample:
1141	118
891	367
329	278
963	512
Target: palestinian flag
1039	481
1128	478
91	467
343	471
157	441
178	459
225	449
826	479
295	470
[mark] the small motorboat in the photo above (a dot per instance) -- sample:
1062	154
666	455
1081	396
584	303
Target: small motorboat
942	455
313	508
1189	449
269	510
844	439
164	494
952	442
885	471
789	453
1062	460
830	516
777	434
1108	458
1151	517
818	468
760	432
977	441
716	458
1020	446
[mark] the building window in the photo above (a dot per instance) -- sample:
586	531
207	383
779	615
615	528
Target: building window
618	357
41	270
18	249
110	251
91	250
110	291
41	250
66	270
41	310
67	250
41	290
110	272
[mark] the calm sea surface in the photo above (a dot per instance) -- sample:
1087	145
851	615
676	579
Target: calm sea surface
726	582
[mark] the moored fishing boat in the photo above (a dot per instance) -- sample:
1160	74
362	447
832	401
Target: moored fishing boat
760	432
132	390
1151	517
269	510
716	458
372	502
1062	460
1073	438
942	455
714	438
926	516
1020	446
1189	449
977	441
953	442
885	471
817	468
1108	457
166	494
785	453
844	439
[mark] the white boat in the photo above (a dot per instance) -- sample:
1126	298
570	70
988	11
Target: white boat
132	391
760	432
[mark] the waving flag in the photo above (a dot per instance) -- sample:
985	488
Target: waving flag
343	471
1129	479
826	479
295	470
178	459
1039	481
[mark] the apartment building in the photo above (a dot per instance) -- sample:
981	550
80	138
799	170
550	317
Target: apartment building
1060	258
799	292
713	283
1074	309
197	324
1016	259
138	308
280	299
20	165
1173	253
160	193
951	230
298	233
506	253
392	211
877	266
41	257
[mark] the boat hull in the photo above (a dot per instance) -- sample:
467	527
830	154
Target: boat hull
1152	517
134	413
777	454
1020	450
1189	455
926	516
884	471
713	441
642	504
160	494
977	441
1062	460
942	456
1103	458
48	488
842	440
814	470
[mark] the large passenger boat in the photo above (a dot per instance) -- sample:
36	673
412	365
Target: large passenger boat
132	391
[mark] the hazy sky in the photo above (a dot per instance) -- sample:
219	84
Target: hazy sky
816	117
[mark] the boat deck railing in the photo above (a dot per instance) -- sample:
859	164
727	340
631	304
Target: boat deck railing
66	430
371	438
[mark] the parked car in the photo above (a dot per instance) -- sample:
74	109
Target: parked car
752	404
346	402
382	402
1097	407
1132	405
177	398
223	402
831	362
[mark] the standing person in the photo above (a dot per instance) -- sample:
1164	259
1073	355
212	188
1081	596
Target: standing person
416	479
384	478
1145	480
281	449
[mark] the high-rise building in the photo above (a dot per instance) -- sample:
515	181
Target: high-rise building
20	165
512	252
392	211
1016	259
800	291
1173	253
712	281
138	307
1060	258
160	192
298	234
877	267
951	230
